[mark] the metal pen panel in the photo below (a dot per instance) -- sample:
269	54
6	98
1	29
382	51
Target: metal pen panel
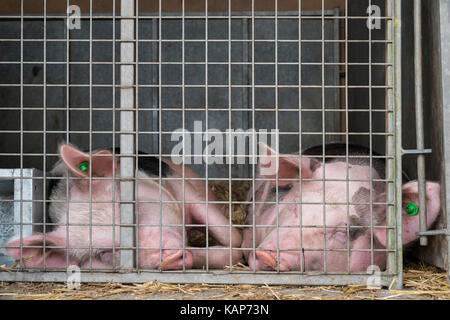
295	71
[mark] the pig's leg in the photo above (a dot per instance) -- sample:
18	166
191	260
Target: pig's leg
161	236
218	257
212	216
361	260
162	248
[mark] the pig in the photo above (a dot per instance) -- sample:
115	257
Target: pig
92	246
323	212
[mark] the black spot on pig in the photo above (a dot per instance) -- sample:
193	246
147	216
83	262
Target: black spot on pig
150	164
281	189
339	149
363	217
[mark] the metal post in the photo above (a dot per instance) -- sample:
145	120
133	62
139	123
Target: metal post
419	117
394	145
127	125
444	7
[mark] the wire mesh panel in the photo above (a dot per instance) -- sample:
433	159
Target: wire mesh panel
201	141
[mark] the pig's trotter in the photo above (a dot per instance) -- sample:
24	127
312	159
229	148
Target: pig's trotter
173	260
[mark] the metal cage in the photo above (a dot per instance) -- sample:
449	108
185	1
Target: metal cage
131	74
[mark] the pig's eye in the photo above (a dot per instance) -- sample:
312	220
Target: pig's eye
282	188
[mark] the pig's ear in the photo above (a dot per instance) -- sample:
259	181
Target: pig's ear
102	162
33	252
410	224
287	165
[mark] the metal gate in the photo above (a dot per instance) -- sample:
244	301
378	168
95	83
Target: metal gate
142	75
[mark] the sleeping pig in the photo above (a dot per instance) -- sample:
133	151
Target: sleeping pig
86	227
323	213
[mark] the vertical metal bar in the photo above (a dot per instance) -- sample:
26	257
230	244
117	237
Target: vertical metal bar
127	125
397	52
183	105
44	125
206	134
394	138
347	184
300	191
370	144
324	210
136	124
90	130
160	128
419	118
114	189
254	147
230	197
445	52
276	128
21	133
67	127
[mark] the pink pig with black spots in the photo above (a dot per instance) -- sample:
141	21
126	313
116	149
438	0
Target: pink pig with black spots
302	248
73	231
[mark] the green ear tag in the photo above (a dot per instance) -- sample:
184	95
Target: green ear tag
411	208
83	166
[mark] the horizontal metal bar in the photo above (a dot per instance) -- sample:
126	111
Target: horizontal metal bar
194	86
434	233
212	156
142	109
237	63
210	17
416	151
211	276
197	40
194	225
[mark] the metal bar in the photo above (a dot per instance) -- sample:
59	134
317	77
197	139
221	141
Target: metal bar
114	183
192	276
419	118
445	52
324	211
206	130
300	218
91	128
416	151
67	131
136	137
347	188
310	14
394	30
44	127
433	233
277	222
127	141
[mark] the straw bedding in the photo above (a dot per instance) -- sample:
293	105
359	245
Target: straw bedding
420	281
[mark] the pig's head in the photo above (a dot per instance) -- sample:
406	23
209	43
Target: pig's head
81	223
346	226
88	178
